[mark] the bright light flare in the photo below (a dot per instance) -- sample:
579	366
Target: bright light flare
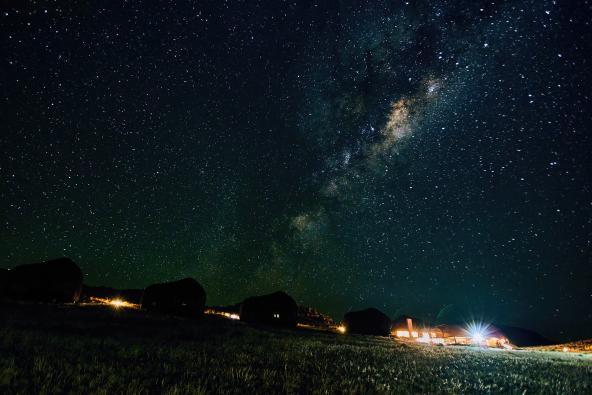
424	339
477	332
120	303
225	314
116	303
341	329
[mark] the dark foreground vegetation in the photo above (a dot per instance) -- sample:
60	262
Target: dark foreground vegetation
94	349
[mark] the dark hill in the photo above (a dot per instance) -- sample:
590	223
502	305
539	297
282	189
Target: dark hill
57	280
523	337
367	322
277	308
185	297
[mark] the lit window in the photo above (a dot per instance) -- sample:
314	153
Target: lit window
276	315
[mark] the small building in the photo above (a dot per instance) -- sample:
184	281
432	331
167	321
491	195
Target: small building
413	328
410	329
455	334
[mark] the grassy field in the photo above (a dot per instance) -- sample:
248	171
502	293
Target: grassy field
67	349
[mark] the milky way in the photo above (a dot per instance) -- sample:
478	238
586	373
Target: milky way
419	157
402	118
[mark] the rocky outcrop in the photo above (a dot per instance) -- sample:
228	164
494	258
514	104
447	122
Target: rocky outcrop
58	280
183	297
368	322
277	308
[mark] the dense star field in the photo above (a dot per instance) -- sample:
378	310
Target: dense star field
428	157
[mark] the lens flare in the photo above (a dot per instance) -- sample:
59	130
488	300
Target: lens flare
477	332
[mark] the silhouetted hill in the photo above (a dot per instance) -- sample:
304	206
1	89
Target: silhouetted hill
56	280
523	337
369	321
277	308
185	297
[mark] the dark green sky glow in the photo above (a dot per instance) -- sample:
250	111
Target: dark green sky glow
404	156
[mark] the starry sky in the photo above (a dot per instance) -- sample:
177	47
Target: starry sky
423	157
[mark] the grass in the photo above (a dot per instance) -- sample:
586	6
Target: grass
68	349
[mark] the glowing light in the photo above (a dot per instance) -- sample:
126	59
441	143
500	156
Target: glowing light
230	316
397	126
341	329
477	332
477	337
402	333
565	349
116	303
433	87
425	338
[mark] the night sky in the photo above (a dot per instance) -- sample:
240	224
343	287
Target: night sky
423	157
